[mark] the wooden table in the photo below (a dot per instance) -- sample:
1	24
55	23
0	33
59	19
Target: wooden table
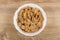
8	31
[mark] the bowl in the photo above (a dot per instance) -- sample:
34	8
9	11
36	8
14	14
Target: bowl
34	6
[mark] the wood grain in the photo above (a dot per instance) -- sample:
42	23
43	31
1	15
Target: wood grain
8	31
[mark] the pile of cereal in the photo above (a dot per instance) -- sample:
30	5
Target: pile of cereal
30	19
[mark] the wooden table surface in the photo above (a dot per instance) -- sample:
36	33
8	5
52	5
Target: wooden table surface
8	31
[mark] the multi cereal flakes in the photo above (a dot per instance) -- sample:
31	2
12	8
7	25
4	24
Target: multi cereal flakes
30	19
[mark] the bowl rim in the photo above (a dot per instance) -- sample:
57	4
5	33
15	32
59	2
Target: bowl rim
16	15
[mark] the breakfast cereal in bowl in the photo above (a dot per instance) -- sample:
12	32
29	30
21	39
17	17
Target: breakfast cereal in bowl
30	19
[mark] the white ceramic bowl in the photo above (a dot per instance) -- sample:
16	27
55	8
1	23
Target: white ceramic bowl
34	6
